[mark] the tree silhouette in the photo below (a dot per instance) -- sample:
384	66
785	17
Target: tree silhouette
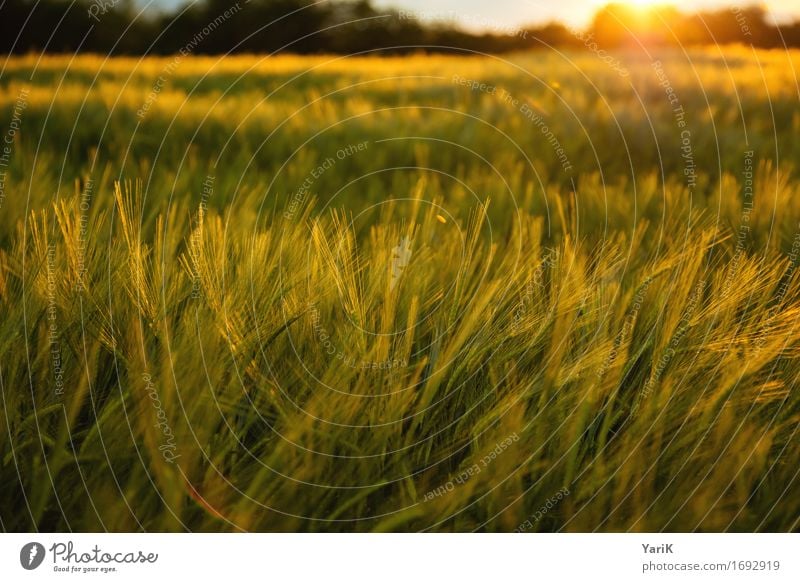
301	26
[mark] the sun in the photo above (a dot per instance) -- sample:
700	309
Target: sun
646	6
643	10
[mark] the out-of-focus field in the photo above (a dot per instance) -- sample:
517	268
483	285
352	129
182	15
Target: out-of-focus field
539	293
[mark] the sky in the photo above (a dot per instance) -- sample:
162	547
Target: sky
506	14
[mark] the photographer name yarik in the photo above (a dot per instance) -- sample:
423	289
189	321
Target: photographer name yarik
657	549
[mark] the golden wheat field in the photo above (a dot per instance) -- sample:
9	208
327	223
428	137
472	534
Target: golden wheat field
421	293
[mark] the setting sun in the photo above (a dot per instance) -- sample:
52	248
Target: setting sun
643	3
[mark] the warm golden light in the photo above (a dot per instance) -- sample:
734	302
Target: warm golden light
643	3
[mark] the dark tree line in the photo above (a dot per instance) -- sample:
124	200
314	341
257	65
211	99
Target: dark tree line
264	26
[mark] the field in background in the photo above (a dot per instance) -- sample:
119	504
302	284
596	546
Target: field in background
543	293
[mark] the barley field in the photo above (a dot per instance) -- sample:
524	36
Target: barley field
543	292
